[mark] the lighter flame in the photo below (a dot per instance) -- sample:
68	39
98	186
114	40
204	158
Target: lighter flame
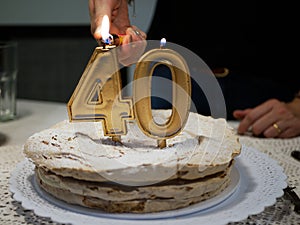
106	36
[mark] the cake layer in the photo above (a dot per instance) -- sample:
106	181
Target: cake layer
177	189
147	199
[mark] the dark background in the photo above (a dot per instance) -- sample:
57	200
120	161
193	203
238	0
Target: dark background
51	59
253	41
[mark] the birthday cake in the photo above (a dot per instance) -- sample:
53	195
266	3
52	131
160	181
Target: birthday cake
76	163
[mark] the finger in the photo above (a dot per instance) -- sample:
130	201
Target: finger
138	32
288	133
240	114
290	128
133	34
98	9
274	130
92	15
255	114
267	120
98	25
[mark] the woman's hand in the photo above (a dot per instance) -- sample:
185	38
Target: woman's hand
272	119
117	12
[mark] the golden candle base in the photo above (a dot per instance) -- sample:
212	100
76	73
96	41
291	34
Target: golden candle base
116	138
161	143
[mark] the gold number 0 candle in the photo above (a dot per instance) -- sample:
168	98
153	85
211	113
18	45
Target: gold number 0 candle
181	92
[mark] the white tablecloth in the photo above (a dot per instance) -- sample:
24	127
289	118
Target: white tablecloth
34	116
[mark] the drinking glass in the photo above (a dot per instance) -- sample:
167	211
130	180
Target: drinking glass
8	79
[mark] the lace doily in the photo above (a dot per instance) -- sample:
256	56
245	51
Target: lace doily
262	181
279	150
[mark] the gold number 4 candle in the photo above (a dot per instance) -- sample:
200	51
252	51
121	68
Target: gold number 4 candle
97	96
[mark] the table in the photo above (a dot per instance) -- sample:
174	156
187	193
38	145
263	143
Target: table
34	116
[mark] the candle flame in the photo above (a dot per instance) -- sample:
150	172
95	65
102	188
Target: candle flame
163	42
106	36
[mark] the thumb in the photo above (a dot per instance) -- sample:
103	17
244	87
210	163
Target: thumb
97	12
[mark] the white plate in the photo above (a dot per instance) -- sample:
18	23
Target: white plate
257	181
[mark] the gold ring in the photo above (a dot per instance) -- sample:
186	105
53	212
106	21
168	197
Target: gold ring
277	128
